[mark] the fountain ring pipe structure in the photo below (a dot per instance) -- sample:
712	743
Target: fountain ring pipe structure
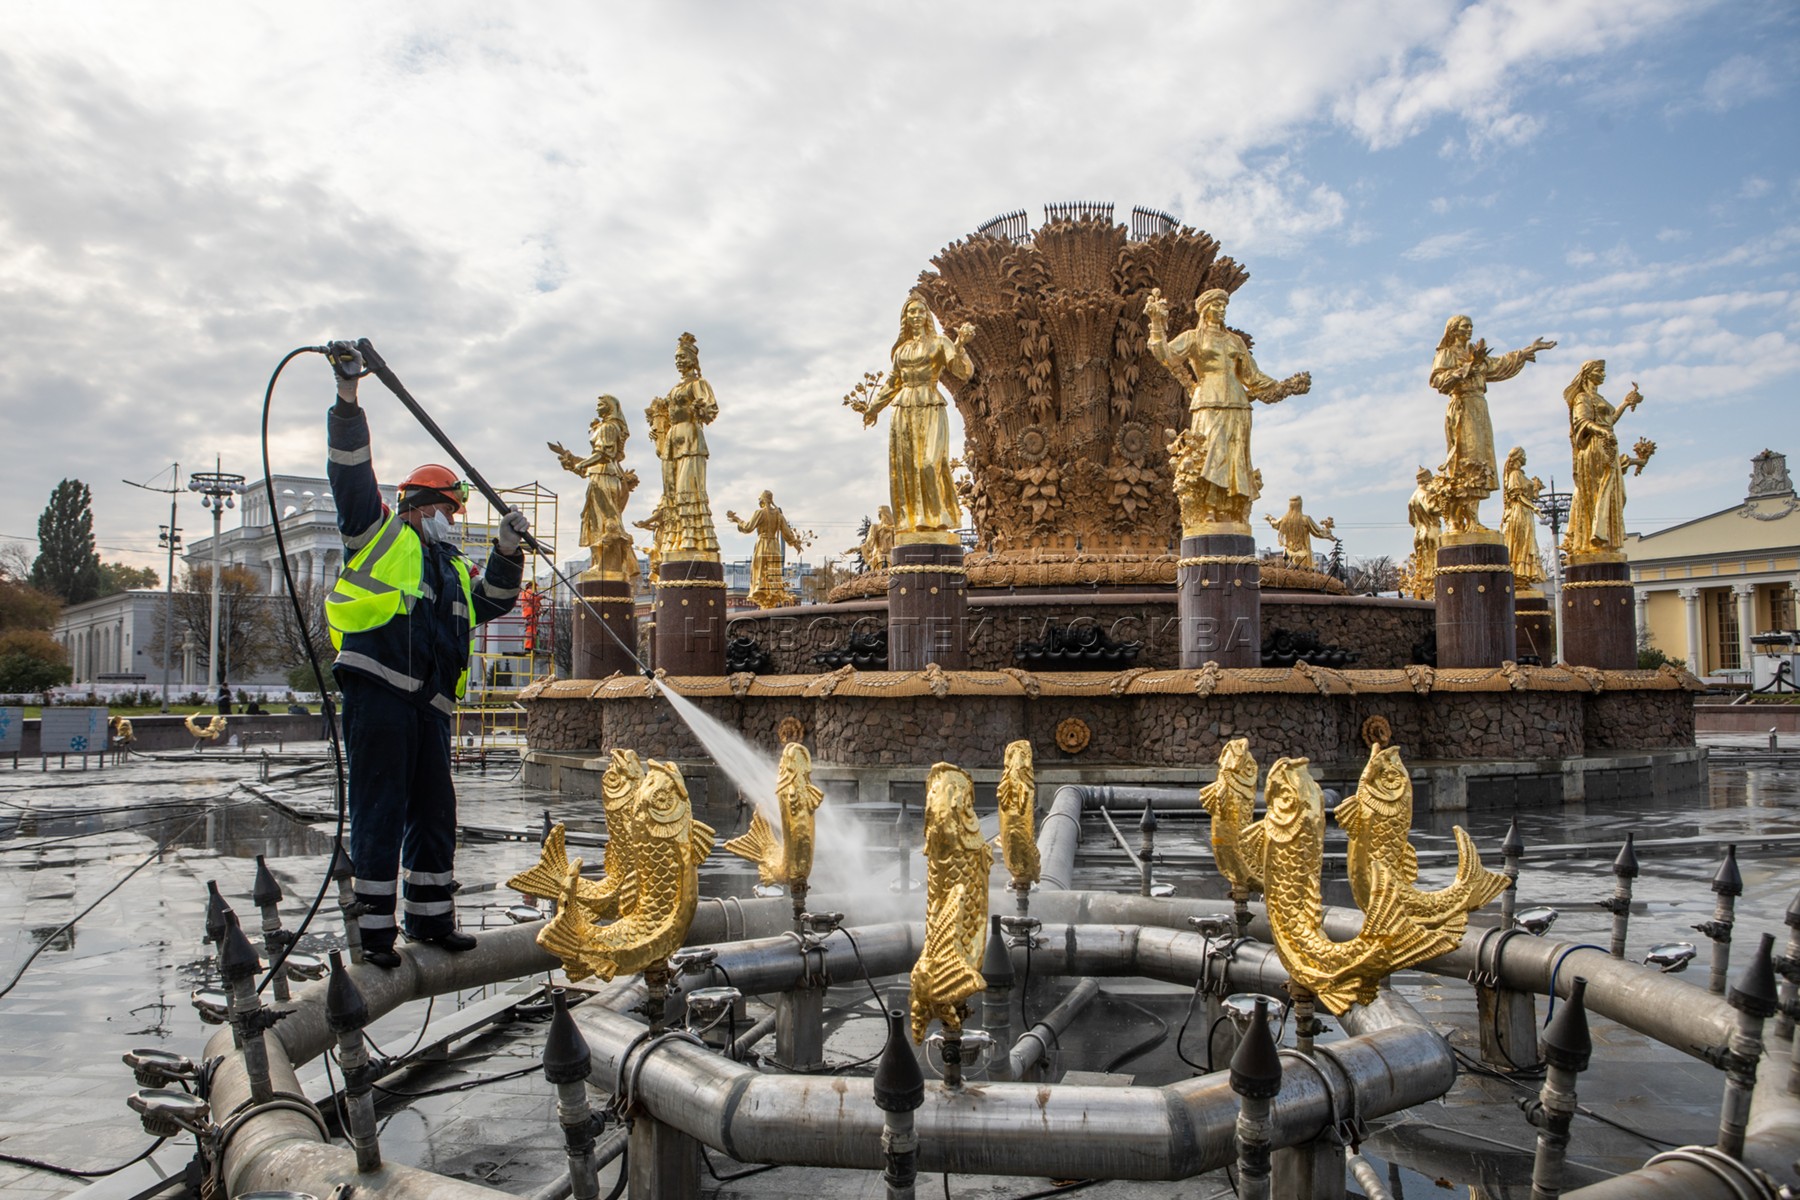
1393	1059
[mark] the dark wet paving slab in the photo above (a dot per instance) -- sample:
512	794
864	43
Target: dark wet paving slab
122	977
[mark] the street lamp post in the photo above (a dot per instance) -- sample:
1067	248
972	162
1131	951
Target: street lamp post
1553	510
169	535
218	491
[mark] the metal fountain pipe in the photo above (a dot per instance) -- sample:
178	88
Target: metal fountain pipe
238	966
499	955
1788	968
1663	1007
997	972
1624	869
347	1016
1727	886
266	895
747	1040
1755	999
1034	1043
1058	837
566	1065
1565	1049
899	1089
1146	848
1512	851
1256	1078
343	874
277	1149
1364	1173
1392	1059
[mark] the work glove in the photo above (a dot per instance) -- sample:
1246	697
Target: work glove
345	357
513	528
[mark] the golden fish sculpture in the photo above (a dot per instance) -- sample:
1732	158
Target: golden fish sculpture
1231	801
787	859
211	731
669	851
1378	816
1291	843
957	860
1018	816
614	894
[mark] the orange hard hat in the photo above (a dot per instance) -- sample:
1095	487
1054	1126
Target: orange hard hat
435	477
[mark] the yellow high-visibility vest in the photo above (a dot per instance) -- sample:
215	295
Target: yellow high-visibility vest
382	580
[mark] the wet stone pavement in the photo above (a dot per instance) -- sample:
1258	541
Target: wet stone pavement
123	976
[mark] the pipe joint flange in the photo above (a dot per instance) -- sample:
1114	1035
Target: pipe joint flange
1718	929
1742	1178
1618	906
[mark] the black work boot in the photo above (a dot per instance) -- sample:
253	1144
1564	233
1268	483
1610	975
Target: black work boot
456	941
385	957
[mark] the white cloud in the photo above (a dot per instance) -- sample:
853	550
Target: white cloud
1737	81
1442	245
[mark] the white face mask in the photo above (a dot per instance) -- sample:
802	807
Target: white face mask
435	528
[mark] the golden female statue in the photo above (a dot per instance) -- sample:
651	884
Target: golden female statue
1597	513
767	587
1214	367
609	486
1297	530
1462	370
1518	524
678	424
957	862
1427	522
878	543
924	495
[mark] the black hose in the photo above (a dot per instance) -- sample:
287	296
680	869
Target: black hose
327	709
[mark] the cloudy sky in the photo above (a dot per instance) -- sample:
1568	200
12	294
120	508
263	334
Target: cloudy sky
523	206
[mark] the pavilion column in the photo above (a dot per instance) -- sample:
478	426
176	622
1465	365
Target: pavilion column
1690	600
1746	607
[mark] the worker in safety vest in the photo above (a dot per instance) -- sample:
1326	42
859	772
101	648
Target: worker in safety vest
402	616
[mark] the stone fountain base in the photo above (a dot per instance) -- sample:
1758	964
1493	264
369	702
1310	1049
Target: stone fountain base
1531	735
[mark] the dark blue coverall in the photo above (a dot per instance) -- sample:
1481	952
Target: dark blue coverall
399	685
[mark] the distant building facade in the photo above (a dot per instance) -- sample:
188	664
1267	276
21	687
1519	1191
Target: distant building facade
114	638
1706	588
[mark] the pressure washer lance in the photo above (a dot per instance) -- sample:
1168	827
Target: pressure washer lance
266	895
566	1065
1512	850
346	1015
899	1089
1146	847
1624	869
353	361
997	970
1256	1078
1727	886
1565	1048
349	907
1753	996
238	965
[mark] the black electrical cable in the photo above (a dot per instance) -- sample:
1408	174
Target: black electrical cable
19	1160
1025	984
857	950
49	940
1181	1035
1061	1189
1477	1067
429	1003
467	1085
1141	1048
327	709
735	1175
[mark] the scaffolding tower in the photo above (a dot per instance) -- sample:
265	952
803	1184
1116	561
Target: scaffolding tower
516	650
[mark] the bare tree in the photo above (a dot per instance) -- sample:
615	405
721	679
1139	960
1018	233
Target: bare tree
291	634
247	638
1371	575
